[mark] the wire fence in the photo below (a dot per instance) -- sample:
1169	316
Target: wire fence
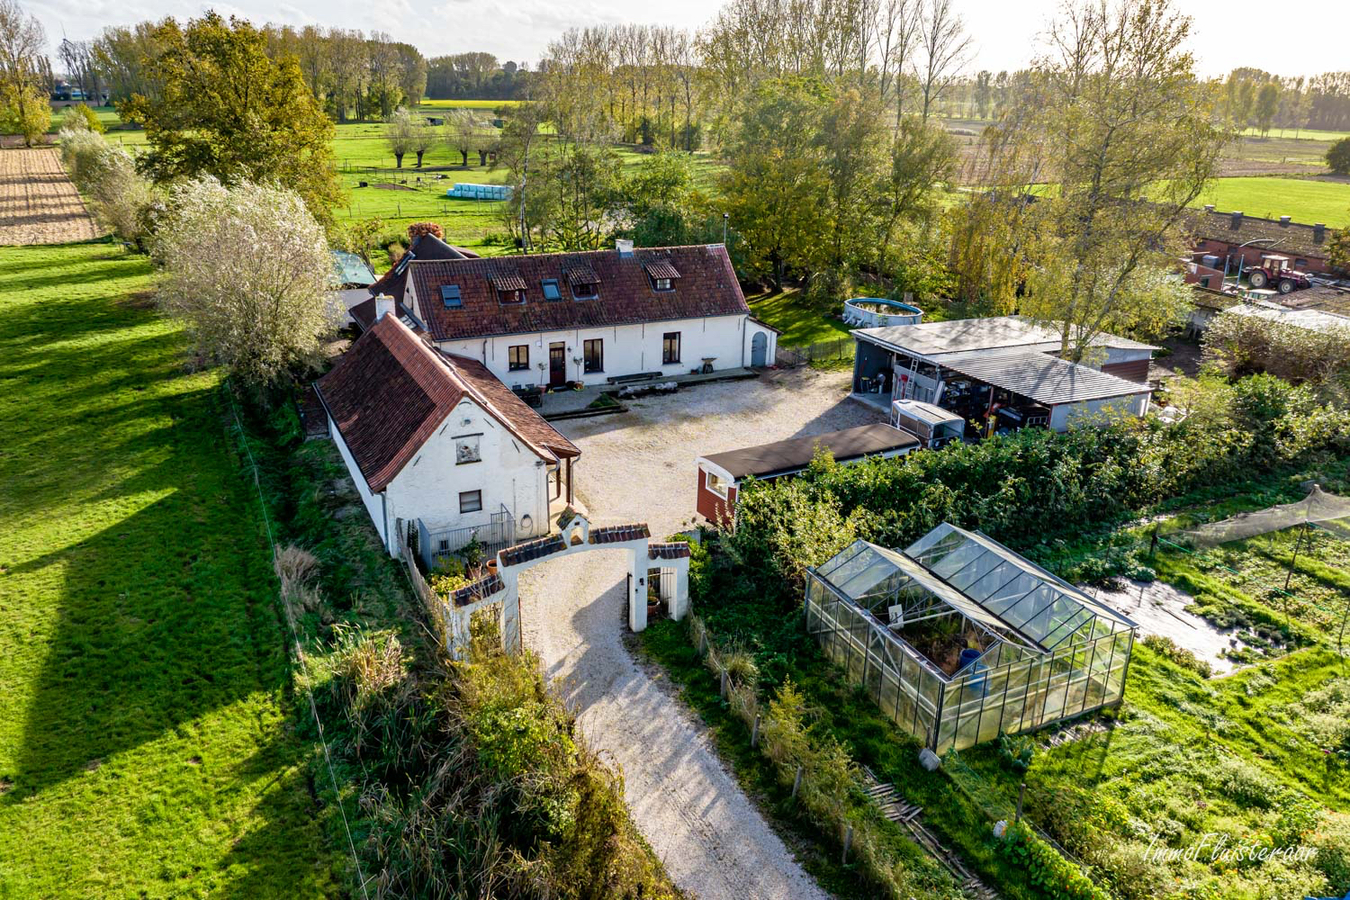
819	352
298	648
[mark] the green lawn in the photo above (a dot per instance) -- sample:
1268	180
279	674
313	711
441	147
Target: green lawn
1301	134
145	744
1307	200
800	322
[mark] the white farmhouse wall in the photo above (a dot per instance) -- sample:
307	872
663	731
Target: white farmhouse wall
510	475
628	349
374	503
1063	415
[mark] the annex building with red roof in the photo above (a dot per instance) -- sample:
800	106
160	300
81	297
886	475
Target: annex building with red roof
436	439
551	319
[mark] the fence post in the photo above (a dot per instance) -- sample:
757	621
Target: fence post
797	782
703	643
754	732
1021	795
848	842
724	683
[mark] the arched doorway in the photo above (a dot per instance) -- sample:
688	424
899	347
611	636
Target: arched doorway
669	560
759	348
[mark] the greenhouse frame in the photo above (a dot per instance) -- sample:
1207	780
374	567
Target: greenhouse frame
958	639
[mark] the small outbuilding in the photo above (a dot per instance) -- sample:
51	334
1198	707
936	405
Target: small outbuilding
958	639
720	475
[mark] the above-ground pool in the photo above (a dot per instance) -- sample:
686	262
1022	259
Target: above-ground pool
872	312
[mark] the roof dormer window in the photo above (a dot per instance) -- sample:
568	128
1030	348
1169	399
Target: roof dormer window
662	274
450	296
584	282
510	288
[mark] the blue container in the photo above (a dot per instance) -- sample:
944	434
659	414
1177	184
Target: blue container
977	683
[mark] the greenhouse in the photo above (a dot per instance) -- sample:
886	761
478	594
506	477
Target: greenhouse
958	639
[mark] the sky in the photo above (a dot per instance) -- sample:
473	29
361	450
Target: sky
1005	34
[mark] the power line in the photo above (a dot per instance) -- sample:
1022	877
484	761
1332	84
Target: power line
299	651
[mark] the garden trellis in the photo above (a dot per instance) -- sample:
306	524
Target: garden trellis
958	639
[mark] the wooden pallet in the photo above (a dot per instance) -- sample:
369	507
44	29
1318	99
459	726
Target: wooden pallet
896	809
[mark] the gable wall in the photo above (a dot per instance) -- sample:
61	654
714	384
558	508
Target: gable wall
509	474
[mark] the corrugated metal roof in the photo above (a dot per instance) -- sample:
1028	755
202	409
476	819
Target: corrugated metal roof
1307	319
1046	379
936	339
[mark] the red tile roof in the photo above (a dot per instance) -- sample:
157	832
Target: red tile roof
618	534
662	269
706	286
390	392
667	551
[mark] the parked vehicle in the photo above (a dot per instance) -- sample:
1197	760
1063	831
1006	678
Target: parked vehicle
1277	271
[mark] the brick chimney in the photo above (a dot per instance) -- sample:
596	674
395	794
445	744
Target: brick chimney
383	304
1319	232
1285	220
1235	221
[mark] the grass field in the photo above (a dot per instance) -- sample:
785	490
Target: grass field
1307	200
467	104
1299	134
145	746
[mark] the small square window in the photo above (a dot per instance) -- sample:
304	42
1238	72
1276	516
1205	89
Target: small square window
663	284
466	450
518	358
450	296
510	296
470	501
551	291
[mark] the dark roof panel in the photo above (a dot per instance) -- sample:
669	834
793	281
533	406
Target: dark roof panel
1044	378
795	454
1294	238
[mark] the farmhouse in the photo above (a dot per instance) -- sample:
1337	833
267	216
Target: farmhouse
998	370
598	317
720	475
434	440
1220	236
958	639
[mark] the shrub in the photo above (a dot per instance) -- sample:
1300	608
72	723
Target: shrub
1045	868
1165	646
1338	157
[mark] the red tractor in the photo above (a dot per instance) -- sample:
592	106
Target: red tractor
1277	271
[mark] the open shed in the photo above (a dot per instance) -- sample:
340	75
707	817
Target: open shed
958	639
720	475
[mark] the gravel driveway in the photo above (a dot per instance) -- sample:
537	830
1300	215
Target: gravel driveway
639	466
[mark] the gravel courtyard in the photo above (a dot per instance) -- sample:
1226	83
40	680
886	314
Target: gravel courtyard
38	203
639	466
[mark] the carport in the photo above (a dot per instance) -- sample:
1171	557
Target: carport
1025	378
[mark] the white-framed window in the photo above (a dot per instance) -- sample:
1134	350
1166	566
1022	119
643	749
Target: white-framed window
467	449
718	486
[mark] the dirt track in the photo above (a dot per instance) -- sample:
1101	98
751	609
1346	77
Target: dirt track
38	203
639	466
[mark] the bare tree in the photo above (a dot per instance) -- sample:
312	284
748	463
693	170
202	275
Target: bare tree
896	29
945	46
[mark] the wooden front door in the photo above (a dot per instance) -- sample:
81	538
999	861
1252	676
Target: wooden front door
557	365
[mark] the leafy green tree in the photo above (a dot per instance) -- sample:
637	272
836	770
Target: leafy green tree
775	183
1267	104
853	157
24	69
220	106
86	116
661	205
576	194
921	157
1338	157
1127	129
1338	249
24	110
400	134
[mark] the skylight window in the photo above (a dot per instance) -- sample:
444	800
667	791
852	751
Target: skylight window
551	291
450	296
